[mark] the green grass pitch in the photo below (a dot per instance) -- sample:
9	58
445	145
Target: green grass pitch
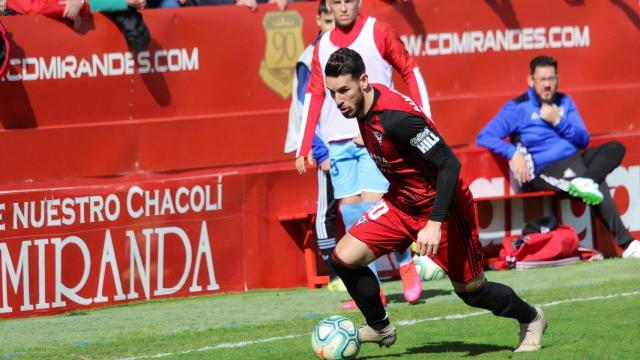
593	311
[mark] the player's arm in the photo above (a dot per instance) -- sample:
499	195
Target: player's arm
313	100
392	49
416	133
501	126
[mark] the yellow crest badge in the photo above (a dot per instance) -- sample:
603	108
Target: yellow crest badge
284	46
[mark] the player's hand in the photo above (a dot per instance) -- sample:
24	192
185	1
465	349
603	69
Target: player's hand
251	4
282	4
310	159
428	239
138	4
71	8
325	165
358	140
550	113
519	167
300	165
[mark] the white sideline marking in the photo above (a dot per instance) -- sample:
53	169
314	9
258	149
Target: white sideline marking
549	304
219	346
401	323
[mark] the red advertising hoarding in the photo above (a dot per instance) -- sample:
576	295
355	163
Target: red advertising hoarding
137	176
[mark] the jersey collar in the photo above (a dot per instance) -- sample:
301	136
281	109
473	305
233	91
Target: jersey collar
376	96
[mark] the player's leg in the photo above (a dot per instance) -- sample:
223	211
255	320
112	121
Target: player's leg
461	254
350	260
594	162
352	211
371	184
411	282
326	213
567	175
502	301
382	230
344	176
603	159
609	214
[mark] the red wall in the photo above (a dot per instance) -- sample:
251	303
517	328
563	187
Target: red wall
190	119
64	138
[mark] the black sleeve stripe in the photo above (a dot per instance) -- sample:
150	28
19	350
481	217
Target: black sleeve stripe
413	130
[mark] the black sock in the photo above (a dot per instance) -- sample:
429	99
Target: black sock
363	286
501	300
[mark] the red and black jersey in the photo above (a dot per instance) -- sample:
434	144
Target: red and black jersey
407	148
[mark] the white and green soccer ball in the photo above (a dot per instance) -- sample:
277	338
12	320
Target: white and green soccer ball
335	337
428	269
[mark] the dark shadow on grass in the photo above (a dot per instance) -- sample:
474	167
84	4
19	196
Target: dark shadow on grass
445	347
425	295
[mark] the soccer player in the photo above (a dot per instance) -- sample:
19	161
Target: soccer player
427	202
357	183
327	207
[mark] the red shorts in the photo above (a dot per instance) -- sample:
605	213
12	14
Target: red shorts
385	228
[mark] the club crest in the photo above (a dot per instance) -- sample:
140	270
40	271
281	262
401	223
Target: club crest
282	49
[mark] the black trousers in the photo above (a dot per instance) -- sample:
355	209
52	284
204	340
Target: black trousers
594	163
326	217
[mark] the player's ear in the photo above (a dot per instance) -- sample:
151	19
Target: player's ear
530	80
359	3
364	81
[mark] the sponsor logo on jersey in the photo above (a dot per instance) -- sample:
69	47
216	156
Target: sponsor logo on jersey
361	221
381	163
284	46
425	140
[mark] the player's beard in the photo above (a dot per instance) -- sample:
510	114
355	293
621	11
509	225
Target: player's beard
358	107
550	99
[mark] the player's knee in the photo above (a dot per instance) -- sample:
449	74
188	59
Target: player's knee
355	277
617	148
337	262
472	285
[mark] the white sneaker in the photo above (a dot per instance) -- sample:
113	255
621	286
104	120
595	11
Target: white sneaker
586	189
632	251
531	333
385	337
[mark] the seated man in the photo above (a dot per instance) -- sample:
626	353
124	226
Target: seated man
551	152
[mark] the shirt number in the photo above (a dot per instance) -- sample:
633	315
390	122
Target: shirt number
377	210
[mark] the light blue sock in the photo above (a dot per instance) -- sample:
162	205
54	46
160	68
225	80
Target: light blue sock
350	214
404	257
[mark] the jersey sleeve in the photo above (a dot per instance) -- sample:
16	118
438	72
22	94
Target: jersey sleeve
394	52
313	100
415	132
501	126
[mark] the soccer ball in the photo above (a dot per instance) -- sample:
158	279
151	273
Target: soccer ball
427	268
335	337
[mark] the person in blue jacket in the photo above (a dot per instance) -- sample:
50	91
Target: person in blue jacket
544	138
